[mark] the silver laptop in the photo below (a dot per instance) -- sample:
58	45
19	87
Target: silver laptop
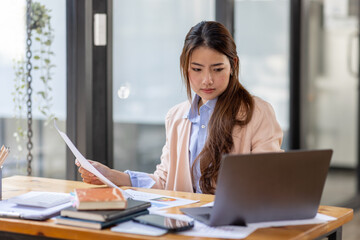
266	187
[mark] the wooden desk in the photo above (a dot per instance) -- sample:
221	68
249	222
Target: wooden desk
16	185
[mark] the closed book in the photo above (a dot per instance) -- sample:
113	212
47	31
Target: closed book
99	198
77	222
133	206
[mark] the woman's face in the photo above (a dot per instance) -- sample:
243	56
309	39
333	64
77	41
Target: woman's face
209	73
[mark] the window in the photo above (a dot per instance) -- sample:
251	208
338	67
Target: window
48	149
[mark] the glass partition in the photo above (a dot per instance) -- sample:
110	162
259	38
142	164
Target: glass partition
330	86
147	43
262	36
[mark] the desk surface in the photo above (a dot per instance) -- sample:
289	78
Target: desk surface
16	185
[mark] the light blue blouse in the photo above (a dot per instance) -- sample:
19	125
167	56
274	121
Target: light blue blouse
198	135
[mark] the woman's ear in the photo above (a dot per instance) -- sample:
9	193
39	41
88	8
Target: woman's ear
236	59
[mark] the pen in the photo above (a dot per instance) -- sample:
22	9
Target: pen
4	152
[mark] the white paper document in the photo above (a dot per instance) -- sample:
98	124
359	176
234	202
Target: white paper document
233	232
319	218
86	164
10	209
138	228
159	201
203	230
210	204
41	199
239	232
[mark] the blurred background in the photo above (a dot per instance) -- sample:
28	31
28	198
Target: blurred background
112	81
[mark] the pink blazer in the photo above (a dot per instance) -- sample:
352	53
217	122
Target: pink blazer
261	134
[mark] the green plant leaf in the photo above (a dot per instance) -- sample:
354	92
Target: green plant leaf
41	93
48	43
36	57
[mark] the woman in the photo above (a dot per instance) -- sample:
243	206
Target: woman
221	118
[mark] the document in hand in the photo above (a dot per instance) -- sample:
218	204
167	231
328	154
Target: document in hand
85	163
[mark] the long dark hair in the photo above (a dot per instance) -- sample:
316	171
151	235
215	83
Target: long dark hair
226	115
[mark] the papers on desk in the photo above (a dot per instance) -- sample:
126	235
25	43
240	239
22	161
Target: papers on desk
239	232
85	163
138	228
10	209
159	201
200	229
41	199
319	218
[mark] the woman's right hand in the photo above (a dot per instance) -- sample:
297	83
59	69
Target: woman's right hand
117	177
90	178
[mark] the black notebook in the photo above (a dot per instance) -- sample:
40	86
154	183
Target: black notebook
97	224
133	206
